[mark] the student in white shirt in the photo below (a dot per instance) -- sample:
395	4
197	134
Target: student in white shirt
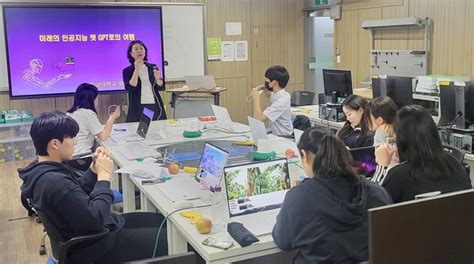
278	114
85	113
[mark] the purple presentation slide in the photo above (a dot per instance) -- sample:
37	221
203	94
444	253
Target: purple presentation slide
51	50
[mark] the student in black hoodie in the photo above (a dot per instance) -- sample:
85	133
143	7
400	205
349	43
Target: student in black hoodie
82	205
325	217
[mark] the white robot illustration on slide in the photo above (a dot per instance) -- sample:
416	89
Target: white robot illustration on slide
36	66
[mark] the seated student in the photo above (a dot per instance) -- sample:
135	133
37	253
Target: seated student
424	165
85	113
325	217
383	113
82	205
356	132
279	112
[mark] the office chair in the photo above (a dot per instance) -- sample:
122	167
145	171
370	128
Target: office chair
301	122
185	258
59	246
299	98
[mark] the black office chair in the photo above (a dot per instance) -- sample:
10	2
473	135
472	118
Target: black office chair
185	258
301	122
457	153
299	98
59	246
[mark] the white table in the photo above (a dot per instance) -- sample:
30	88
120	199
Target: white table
179	230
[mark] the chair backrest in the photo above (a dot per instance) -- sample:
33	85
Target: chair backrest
301	122
299	98
185	258
55	237
457	153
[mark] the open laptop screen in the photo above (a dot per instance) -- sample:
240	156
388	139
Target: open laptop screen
145	121
364	159
256	187
211	166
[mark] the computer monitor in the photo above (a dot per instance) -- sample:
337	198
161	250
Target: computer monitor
457	105
447	102
400	89
211	166
337	84
432	230
257	186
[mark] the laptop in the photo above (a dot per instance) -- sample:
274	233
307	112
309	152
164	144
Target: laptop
211	167
255	192
223	117
364	159
142	129
258	130
205	82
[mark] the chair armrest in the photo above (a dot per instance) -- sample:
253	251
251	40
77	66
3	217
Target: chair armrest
65	246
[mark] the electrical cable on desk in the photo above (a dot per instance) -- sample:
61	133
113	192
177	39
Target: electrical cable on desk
223	130
166	219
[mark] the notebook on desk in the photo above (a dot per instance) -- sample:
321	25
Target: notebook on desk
141	132
255	192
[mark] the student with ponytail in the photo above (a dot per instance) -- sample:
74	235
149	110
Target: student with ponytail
325	217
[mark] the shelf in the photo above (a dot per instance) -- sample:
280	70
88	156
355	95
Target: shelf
396	22
15	139
16	124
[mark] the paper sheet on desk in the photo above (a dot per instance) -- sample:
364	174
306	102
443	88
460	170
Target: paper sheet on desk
137	151
181	187
151	167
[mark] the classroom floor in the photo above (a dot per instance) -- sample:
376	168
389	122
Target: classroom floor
20	239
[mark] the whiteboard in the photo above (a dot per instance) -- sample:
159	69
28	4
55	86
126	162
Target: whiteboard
184	42
183	33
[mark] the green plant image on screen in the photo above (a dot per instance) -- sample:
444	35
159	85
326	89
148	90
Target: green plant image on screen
271	179
234	189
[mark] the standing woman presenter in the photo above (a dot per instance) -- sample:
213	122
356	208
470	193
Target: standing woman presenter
143	82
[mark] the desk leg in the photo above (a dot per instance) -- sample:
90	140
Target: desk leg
146	204
173	103
128	193
176	242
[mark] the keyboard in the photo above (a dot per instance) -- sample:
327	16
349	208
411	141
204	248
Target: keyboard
260	223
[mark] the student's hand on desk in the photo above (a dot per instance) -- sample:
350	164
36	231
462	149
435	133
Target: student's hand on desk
103	166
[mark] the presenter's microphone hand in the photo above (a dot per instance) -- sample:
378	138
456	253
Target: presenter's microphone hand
138	63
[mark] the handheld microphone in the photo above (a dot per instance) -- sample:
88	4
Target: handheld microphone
260	89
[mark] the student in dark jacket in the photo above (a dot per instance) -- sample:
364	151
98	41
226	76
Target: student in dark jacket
82	205
356	132
325	217
143	82
424	165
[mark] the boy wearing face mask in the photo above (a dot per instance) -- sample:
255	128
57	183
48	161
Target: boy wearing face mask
278	114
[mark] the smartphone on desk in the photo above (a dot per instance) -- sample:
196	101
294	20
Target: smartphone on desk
217	243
